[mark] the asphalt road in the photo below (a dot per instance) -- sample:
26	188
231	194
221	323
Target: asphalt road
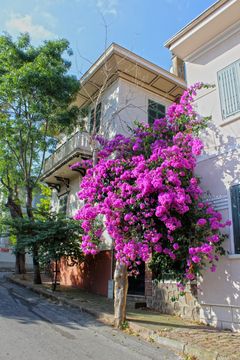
33	328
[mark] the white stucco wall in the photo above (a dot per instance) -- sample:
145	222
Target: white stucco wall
219	168
73	203
122	104
109	108
133	105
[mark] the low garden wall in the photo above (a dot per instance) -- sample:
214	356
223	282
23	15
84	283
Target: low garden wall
167	299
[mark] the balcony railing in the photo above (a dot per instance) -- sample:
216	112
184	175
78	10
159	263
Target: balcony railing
79	143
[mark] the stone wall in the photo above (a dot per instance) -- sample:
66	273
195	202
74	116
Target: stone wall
148	283
166	298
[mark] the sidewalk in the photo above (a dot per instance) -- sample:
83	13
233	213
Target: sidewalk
199	341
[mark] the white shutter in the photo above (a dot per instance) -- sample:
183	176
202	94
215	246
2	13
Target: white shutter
229	89
218	202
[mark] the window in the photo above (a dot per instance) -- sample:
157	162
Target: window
155	111
229	89
235	201
62	208
83	117
98	117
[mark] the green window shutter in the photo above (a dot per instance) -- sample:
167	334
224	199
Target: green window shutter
229	89
155	111
98	118
235	201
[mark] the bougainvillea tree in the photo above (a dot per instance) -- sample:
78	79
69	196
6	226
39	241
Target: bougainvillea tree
143	191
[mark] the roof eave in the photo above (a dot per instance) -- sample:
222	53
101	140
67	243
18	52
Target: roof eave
91	81
119	50
168	44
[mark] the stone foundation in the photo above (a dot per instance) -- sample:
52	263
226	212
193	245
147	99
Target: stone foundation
166	298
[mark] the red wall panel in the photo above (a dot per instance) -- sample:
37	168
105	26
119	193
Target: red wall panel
92	275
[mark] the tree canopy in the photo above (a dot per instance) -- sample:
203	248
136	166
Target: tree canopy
36	105
56	237
36	93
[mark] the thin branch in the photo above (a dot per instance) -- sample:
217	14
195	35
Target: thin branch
30	158
7	186
15	154
44	153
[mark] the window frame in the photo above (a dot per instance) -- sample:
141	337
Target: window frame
65	197
234	252
155	103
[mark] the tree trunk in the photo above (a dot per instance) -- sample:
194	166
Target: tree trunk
29	202
95	153
20	267
120	293
13	204
36	268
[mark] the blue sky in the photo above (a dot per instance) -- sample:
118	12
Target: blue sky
139	25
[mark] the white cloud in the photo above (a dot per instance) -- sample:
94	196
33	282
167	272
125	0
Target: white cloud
49	18
24	23
107	6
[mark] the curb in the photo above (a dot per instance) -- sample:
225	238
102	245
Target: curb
180	346
101	316
146	334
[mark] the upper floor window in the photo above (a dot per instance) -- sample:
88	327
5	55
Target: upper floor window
63	200
155	111
235	202
229	89
98	118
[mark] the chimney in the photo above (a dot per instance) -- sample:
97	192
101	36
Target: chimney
178	67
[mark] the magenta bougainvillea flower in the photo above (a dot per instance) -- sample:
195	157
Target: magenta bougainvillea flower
144	192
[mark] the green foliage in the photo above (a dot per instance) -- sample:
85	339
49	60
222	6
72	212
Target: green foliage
60	237
3	212
36	104
36	97
125	325
43	206
13	239
55	237
164	269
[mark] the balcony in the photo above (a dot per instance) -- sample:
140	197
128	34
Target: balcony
74	149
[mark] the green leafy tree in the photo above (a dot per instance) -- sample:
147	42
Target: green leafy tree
59	238
54	235
11	182
36	93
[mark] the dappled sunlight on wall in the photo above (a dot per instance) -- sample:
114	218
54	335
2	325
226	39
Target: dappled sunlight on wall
92	275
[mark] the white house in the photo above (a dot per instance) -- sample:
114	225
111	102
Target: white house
123	88
208	50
